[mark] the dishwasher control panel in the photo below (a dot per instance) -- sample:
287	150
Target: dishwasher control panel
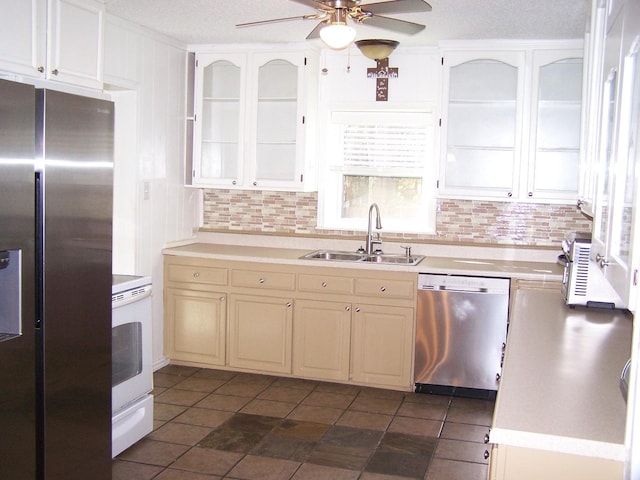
462	283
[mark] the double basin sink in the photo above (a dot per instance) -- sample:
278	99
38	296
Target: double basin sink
381	258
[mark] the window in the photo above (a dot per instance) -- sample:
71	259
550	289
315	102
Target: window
384	157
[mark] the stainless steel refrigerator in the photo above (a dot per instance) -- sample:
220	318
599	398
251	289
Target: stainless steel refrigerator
56	170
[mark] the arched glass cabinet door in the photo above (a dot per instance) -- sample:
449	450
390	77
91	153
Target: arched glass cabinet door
278	119
481	124
554	155
218	149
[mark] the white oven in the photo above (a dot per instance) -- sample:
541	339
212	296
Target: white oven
132	369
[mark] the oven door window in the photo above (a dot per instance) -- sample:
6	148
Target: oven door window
126	351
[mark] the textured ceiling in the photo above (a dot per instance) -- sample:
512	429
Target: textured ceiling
213	21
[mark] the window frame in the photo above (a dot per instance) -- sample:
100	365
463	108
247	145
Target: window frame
331	170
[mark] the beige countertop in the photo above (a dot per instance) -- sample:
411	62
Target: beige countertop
431	264
560	382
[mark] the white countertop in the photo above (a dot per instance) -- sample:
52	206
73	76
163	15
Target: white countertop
535	270
560	382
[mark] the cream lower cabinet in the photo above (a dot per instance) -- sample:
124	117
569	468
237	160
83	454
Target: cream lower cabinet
517	463
322	334
195	326
334	324
260	333
381	344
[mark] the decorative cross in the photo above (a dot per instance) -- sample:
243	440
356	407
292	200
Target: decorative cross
382	73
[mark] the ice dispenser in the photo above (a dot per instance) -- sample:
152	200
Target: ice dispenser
10	293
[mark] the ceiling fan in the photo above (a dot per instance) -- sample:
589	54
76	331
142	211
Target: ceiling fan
333	14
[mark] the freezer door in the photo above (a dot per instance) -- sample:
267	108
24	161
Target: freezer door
78	162
17	350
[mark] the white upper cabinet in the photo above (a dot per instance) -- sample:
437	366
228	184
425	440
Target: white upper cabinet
252	122
554	138
58	40
23	36
616	229
481	123
511	124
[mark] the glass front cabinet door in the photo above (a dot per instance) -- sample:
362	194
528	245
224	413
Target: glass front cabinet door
220	119
481	124
250	120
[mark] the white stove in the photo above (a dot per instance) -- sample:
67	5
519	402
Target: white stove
132	369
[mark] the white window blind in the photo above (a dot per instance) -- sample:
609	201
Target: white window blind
382	141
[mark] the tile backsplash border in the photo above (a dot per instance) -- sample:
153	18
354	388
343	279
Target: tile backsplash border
457	221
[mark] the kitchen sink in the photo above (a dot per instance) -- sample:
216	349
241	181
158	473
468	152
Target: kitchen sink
397	259
333	255
382	258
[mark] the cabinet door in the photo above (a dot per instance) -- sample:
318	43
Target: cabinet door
121	59
219	129
592	89
482	123
195	326
75	42
554	138
607	145
623	229
321	341
260	333
382	345
275	146
22	36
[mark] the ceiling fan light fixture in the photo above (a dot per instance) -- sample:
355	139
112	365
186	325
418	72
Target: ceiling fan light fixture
337	35
376	49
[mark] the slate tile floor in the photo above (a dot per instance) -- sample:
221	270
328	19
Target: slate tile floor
214	424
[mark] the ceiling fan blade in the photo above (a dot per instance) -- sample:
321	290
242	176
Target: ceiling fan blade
314	4
315	33
397	6
400	26
276	20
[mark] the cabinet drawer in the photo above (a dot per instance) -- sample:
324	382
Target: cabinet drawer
263	279
381	288
196	274
325	284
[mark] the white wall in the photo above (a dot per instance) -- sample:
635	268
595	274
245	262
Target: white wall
151	204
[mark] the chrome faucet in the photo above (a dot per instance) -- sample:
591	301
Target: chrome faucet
370	240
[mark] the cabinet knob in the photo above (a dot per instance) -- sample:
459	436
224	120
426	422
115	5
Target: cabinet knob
498	377
510	194
255	184
383	289
357	309
54	71
486	438
347	308
486	454
196	274
289	304
41	69
530	194
222	299
261	280
324	284
234	182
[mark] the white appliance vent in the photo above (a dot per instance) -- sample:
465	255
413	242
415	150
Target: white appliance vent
581	260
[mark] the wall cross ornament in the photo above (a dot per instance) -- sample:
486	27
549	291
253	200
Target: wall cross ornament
382	73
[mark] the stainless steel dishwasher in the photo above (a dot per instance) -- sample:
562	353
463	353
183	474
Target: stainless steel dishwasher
461	334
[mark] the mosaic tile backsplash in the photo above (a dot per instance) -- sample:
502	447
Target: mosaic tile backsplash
457	221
